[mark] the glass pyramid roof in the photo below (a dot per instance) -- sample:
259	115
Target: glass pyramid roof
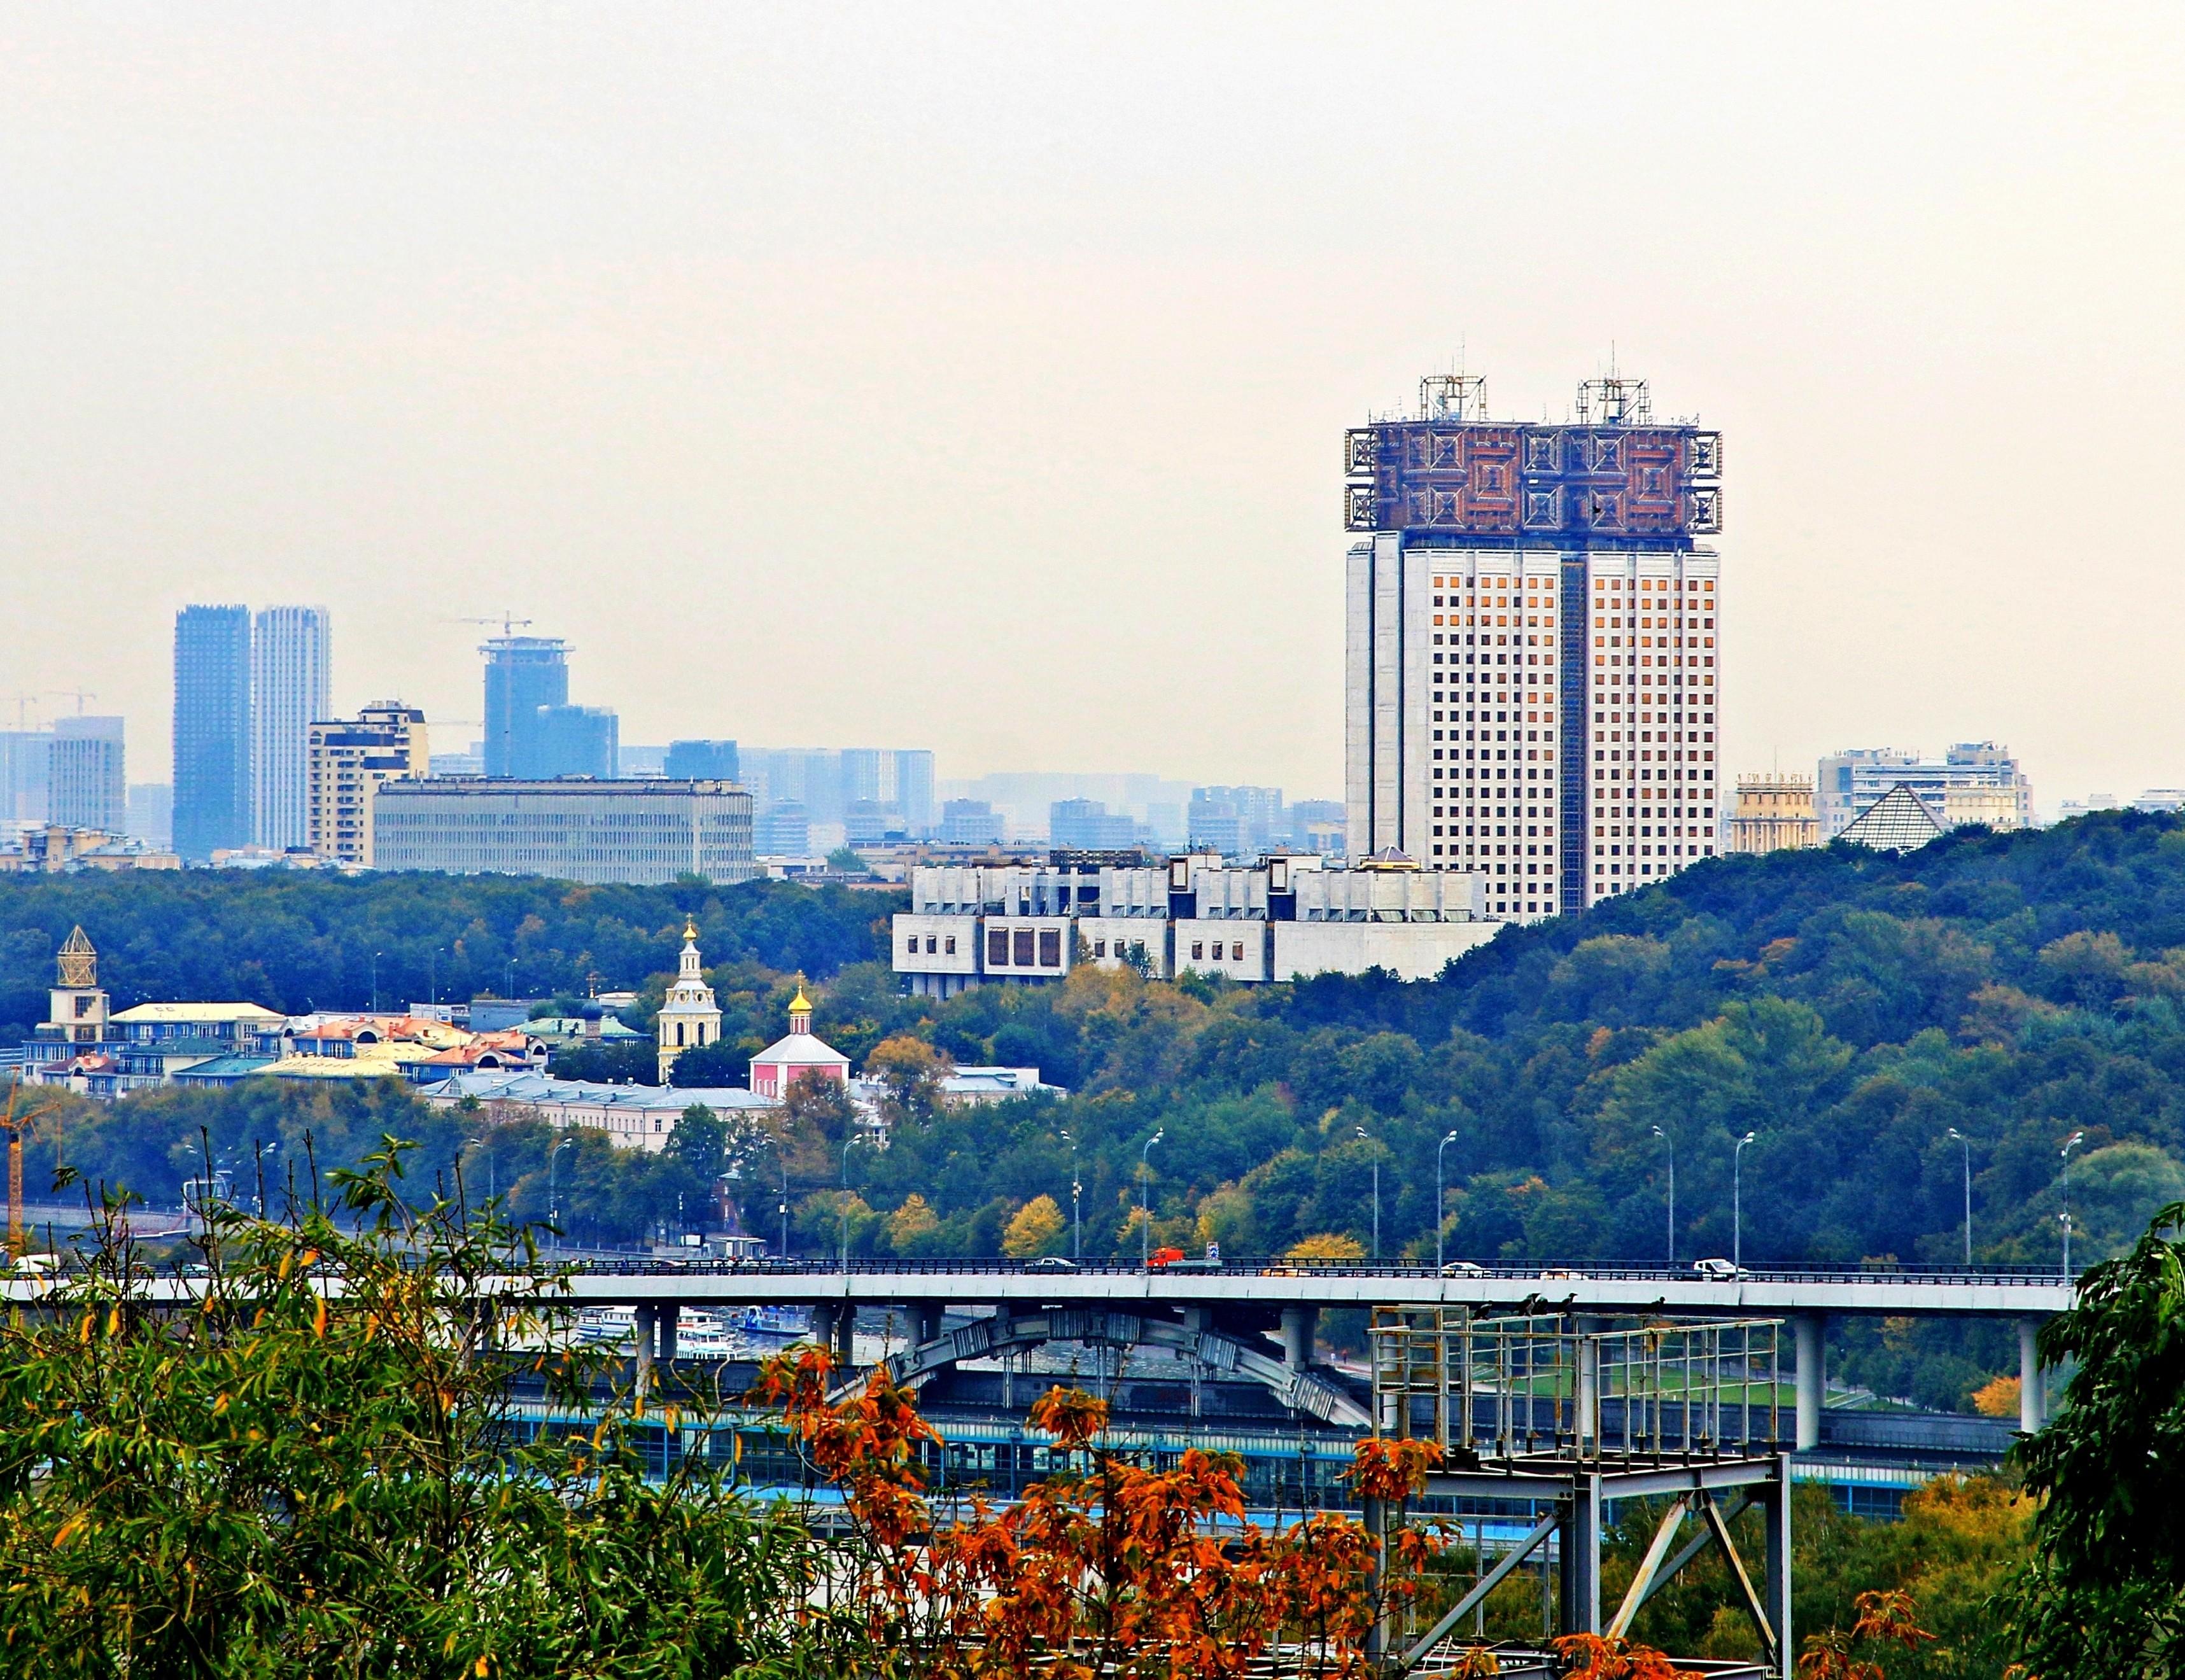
1896	822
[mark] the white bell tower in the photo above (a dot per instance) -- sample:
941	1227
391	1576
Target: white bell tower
690	1018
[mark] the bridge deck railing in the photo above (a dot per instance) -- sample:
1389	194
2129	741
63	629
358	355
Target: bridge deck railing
1548	1276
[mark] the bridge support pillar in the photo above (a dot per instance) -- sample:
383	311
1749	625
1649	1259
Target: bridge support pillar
1578	1543
845	1334
1300	1325
2032	1396
1774	1500
666	1316
925	1317
1588	1383
1380	1635
642	1334
1812	1378
822	1326
1197	1320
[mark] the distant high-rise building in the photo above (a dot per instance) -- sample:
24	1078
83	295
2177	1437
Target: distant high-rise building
572	740
971	821
291	665
88	784
861	774
523	675
26	763
212	730
1774	813
1318	825
868	822
631	760
152	813
350	758
912	792
1087	825
782	829
708	760
1975	782
1532	647
812	780
1238	821
902	777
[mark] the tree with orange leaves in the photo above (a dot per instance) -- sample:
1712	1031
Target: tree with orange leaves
1112	1568
1593	1656
1885	1619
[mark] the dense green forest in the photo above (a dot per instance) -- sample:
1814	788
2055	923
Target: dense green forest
1850	1009
308	941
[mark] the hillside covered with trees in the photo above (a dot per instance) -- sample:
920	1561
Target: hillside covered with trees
1848	1008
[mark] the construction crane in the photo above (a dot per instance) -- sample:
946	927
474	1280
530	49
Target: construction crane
20	1123
78	695
507	621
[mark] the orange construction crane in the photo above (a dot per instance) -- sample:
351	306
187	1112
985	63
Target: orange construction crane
20	1123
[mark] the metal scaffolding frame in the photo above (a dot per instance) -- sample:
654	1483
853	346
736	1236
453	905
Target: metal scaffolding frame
1568	1415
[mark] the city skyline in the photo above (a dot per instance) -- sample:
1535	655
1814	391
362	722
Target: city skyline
609	315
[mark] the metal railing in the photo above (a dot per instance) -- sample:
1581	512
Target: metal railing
1549	1278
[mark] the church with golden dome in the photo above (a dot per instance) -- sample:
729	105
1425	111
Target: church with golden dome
779	1066
690	1018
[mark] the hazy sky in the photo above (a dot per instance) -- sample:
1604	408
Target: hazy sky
975	377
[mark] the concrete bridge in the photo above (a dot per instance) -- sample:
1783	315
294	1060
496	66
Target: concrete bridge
1223	1314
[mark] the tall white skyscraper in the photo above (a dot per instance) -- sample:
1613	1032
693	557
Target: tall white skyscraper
1533	656
291	666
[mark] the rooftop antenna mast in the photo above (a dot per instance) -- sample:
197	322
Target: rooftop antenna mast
1614	400
1455	395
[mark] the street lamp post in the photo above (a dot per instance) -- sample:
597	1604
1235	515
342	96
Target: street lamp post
1076	1189
1670	1144
376	956
480	1142
554	1187
1737	1201
1966	1143
782	1161
844	1221
2070	1144
1145	1202
262	1152
1438	1219
1363	1138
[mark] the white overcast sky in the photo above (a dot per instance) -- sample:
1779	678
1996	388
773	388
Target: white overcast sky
975	377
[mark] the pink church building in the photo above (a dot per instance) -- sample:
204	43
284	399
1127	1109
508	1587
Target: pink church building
776	1067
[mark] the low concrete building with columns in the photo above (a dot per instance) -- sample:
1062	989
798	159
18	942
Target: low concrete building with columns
1284	918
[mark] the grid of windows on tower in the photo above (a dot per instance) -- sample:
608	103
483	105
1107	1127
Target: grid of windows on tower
1652	728
1495	811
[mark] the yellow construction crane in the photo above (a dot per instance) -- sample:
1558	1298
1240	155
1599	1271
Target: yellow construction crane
20	1123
